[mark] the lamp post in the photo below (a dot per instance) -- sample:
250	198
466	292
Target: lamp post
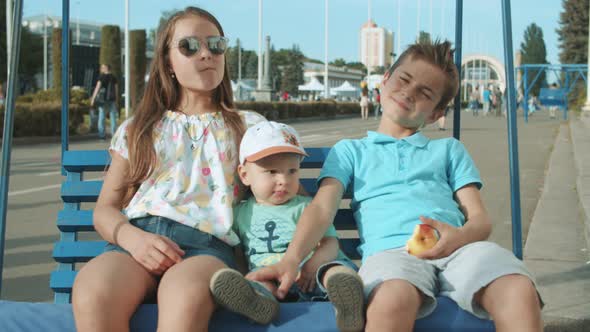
77	22
586	107
259	44
45	52
8	35
326	86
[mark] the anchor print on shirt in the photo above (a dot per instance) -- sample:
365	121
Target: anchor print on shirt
270	227
273	236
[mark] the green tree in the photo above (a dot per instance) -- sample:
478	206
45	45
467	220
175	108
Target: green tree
357	65
166	14
573	42
250	69
56	58
379	70
231	57
110	50
573	31
533	51
30	55
275	72
424	37
338	62
137	65
293	72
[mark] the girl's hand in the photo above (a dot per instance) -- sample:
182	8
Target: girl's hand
450	240
156	253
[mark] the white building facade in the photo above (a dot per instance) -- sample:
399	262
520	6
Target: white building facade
376	46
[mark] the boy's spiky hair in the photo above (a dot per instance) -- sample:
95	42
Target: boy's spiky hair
439	54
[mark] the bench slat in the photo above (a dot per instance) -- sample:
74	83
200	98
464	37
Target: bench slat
75	220
62	281
348	247
86	160
316	157
344	220
79	251
310	185
99	160
80	191
81	220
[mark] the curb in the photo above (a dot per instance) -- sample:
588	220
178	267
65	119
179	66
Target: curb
581	144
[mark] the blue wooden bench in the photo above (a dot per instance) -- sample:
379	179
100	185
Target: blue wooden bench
554	97
70	250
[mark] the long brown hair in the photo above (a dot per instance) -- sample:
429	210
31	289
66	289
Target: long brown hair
163	93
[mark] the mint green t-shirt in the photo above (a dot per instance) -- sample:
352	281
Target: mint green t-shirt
266	231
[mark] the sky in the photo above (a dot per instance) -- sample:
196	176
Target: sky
301	22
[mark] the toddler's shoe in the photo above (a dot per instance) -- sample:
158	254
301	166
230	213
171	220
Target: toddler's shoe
345	290
248	298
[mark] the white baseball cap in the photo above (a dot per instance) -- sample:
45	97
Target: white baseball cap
267	138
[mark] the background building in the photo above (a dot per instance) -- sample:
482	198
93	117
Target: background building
336	76
376	46
479	70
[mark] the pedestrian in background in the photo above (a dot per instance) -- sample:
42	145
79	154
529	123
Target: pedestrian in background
376	102
105	97
474	101
364	103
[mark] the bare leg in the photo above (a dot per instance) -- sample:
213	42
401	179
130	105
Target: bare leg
108	290
513	303
184	300
441	122
393	306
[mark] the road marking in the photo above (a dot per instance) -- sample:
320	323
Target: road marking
50	163
49	173
37	189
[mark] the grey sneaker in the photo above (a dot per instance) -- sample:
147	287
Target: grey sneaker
345	290
248	298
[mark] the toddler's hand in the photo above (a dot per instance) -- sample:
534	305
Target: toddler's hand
306	278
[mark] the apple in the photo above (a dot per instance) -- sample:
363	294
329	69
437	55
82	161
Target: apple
423	238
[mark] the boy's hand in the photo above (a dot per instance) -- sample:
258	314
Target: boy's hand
284	271
450	239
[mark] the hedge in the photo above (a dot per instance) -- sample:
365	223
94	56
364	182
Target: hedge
40	114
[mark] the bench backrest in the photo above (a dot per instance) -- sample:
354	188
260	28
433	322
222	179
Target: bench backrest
553	97
72	220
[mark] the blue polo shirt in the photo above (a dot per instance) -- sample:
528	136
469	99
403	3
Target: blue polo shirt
395	181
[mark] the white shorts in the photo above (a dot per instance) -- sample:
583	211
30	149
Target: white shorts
458	276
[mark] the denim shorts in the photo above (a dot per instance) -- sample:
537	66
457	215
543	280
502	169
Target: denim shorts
193	241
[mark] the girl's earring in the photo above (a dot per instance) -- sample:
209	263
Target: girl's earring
172	75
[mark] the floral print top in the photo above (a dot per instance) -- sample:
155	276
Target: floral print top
194	182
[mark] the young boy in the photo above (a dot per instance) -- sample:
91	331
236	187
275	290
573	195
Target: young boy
270	154
400	178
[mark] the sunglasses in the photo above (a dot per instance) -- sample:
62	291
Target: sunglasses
188	46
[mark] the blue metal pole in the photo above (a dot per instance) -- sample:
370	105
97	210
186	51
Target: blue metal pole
65	77
8	125
458	58
570	88
512	132
525	96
